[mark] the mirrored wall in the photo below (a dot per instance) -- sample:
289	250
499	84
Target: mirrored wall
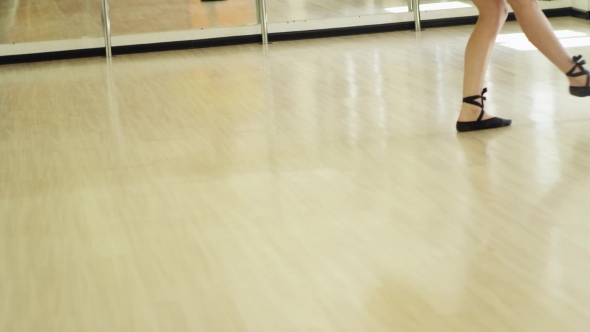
25	21
146	16
297	10
294	10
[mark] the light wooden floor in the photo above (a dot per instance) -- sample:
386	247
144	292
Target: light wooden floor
31	21
319	188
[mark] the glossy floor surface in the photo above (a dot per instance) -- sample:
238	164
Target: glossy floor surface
318	187
32	21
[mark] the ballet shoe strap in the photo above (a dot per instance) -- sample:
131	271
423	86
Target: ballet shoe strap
480	115
472	100
578	64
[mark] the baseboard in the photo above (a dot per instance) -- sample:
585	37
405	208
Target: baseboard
189	44
49	56
273	37
580	14
338	32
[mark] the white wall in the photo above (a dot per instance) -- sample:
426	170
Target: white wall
581	4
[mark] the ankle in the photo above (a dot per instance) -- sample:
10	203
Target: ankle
470	109
469	113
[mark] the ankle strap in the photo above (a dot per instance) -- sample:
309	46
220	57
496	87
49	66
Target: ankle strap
579	64
472	99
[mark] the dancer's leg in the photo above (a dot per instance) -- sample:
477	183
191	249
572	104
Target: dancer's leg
492	15
538	30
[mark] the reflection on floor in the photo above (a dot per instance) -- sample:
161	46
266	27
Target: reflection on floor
319	188
30	21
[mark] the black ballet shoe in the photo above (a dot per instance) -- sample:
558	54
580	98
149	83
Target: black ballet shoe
481	124
580	91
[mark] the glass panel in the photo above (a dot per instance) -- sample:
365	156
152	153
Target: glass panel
42	20
141	16
456	6
430	5
292	10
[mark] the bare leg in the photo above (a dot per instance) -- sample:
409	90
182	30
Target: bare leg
492	15
538	30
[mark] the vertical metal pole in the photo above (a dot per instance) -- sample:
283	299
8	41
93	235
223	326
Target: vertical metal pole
262	18
416	5
410	5
106	26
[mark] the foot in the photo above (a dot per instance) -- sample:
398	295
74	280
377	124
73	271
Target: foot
474	118
579	78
